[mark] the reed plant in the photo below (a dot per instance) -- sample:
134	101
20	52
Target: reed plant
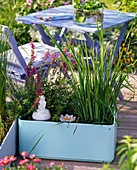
95	90
3	66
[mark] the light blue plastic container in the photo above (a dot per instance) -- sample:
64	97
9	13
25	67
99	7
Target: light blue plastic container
8	146
92	143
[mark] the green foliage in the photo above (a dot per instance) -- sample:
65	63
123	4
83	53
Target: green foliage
6	118
3	69
129	6
128	154
57	94
126	6
88	5
11	9
95	95
55	89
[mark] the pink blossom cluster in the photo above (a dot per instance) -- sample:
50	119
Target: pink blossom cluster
33	79
51	166
30	165
7	160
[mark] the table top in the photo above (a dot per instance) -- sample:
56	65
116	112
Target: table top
111	18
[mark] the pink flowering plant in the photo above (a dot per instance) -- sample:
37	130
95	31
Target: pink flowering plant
53	86
27	97
31	162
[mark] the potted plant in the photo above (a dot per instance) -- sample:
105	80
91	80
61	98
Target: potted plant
87	12
83	124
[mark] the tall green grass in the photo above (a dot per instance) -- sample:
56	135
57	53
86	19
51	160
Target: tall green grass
95	94
3	66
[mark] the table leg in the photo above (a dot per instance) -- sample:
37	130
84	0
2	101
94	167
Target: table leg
45	38
120	39
63	31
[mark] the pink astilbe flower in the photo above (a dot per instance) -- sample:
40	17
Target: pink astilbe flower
36	102
53	58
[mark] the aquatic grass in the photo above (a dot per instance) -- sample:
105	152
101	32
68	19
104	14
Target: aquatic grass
3	70
95	93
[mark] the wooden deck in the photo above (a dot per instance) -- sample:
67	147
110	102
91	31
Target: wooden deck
127	118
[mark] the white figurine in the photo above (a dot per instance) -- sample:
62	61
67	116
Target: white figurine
42	113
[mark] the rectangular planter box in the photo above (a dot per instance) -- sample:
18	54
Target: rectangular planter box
8	146
93	143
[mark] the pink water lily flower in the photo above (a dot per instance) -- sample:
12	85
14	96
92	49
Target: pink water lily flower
67	118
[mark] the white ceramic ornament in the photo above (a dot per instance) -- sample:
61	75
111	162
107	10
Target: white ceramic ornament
41	113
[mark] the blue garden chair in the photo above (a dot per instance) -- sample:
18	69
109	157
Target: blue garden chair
19	56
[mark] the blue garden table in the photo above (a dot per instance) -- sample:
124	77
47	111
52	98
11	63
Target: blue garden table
111	19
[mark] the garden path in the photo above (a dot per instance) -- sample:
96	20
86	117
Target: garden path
127	118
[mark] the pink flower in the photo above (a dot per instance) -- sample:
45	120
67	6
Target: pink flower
51	163
119	3
51	1
6	162
29	166
22	162
38	2
37	160
6	158
29	2
24	153
66	3
81	1
61	165
12	158
32	156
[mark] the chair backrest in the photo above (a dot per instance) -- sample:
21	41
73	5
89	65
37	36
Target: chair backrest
13	45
